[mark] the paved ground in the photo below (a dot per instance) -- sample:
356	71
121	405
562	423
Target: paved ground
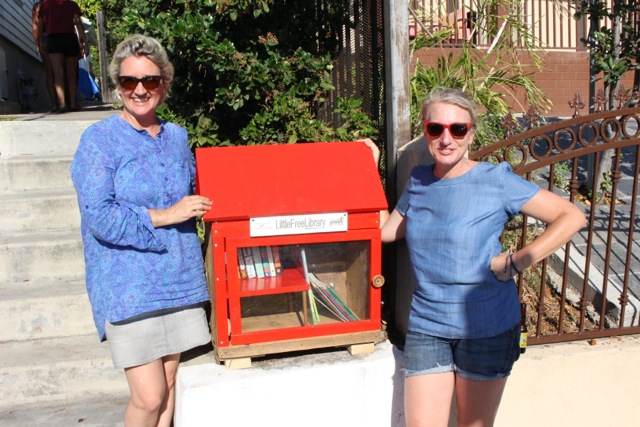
622	249
104	412
91	110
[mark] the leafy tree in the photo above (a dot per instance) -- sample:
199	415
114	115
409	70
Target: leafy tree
486	74
614	45
247	71
90	8
614	41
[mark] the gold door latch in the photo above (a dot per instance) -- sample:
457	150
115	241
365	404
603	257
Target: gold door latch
378	281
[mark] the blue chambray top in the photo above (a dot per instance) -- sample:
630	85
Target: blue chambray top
453	231
131	267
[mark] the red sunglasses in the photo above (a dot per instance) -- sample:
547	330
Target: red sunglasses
457	130
131	82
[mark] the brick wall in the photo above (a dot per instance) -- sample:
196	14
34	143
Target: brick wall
563	73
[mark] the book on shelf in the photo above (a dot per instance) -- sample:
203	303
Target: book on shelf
248	263
242	267
328	306
257	262
276	260
264	257
304	270
272	265
330	300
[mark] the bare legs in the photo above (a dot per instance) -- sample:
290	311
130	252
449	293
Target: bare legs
428	400
51	87
478	401
65	78
71	68
152	389
57	62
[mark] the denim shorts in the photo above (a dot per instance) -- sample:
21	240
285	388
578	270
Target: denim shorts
481	359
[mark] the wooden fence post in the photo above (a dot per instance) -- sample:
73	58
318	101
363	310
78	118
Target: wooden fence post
107	96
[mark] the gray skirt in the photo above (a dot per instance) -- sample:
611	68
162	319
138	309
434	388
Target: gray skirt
151	336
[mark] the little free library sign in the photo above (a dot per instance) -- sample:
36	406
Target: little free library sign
298	224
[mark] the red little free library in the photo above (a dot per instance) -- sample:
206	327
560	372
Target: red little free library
293	247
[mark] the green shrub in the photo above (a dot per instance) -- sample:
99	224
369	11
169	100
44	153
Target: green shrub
247	71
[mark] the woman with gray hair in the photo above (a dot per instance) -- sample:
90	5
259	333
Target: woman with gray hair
463	331
134	175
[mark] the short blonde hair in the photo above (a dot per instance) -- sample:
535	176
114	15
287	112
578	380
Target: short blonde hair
139	45
449	96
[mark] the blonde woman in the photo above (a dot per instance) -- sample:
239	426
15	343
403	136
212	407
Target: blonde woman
134	175
463	330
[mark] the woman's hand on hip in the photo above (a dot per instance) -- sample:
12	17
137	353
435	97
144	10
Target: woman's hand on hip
501	268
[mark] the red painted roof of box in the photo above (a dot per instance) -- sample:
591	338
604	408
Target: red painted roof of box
288	179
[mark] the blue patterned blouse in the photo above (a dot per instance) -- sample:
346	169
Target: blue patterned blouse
453	231
131	267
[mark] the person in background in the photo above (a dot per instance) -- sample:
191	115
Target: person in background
65	44
134	175
41	47
463	330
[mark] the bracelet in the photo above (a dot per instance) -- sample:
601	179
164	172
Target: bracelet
513	264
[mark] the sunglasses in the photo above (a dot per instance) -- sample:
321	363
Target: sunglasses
131	82
457	130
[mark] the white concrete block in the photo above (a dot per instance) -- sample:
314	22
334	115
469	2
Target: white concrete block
328	389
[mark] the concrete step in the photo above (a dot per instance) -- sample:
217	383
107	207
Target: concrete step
41	309
40	254
27	211
68	368
53	369
40	137
24	173
92	410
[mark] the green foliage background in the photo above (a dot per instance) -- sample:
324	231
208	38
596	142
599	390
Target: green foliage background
247	71
614	44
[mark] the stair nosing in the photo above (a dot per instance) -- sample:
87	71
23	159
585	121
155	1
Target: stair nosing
41	288
49	193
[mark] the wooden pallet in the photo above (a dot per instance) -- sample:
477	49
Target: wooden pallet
239	357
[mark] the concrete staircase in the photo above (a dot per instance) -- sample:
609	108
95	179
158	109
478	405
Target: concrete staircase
50	356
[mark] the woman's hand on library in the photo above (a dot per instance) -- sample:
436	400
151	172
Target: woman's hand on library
188	207
374	149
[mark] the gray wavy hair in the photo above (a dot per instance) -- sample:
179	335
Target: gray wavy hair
139	45
449	96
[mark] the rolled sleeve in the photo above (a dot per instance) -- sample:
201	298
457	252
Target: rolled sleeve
112	221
